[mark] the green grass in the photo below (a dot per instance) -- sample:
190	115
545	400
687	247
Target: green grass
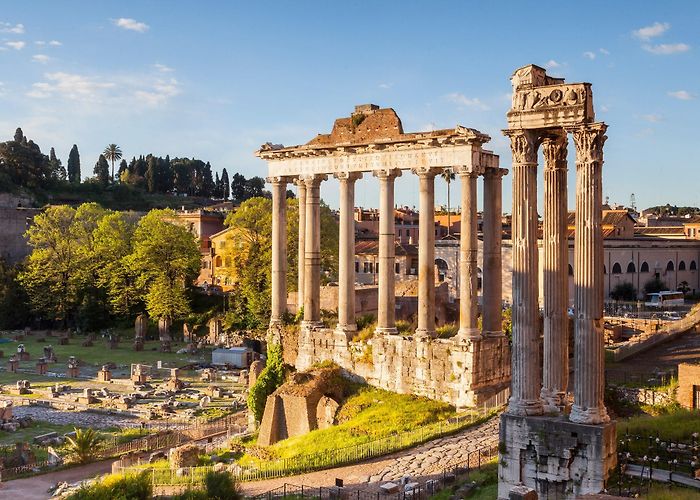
37	428
486	480
367	415
677	426
666	492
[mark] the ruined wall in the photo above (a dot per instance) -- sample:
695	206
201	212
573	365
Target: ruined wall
461	374
14	222
688	379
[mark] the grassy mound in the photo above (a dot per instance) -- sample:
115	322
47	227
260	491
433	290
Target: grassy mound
676	426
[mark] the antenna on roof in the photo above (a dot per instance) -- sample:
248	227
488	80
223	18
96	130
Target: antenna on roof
633	203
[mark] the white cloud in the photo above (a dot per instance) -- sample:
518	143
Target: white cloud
589	55
652	118
648	32
130	24
40	43
667	48
70	86
16	45
159	92
41	58
605	52
604	108
551	64
55	43
462	100
163	68
17	29
385	86
683	95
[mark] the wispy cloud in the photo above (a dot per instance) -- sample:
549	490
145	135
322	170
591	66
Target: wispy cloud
385	86
55	43
70	86
648	32
16	45
468	102
683	95
605	52
667	48
589	55
131	24
41	58
163	68
159	92
652	118
17	29
552	64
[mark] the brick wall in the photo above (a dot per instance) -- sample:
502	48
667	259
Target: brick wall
688	376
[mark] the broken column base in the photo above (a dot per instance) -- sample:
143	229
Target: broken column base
555	457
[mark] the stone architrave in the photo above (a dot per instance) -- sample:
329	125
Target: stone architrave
164	324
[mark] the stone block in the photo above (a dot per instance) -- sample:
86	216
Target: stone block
522	493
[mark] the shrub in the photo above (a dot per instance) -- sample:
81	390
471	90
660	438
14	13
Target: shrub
221	486
655	285
117	486
268	381
447	331
83	447
624	291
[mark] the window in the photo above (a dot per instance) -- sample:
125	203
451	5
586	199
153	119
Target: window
670	266
631	268
357	266
571	270
605	269
693	265
399	233
681	265
397	268
441	264
365	267
376	268
644	268
617	268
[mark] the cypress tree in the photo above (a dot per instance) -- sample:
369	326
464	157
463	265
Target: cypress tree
225	185
74	165
19	135
102	171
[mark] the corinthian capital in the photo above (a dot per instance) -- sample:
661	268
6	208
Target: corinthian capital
427	172
523	144
554	151
348	176
387	174
589	140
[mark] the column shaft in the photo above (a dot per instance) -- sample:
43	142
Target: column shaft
426	253
492	303
589	348
301	198
346	254
525	395
386	314
555	366
279	249
468	250
312	252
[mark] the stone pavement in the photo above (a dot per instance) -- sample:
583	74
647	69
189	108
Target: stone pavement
77	418
421	461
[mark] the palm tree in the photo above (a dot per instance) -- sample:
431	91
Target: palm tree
449	176
84	446
113	153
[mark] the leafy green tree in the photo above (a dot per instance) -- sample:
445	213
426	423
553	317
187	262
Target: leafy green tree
112	153
123	167
226	187
101	171
255	188
74	166
165	260
238	191
269	380
23	164
14	309
624	291
58	172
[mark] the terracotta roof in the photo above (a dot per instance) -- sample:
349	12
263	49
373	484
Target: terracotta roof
660	231
371	247
615	217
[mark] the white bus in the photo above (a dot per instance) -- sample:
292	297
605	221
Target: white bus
665	299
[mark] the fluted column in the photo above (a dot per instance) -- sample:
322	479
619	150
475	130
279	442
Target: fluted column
589	348
312	251
525	385
346	254
301	198
468	250
492	303
279	249
386	314
426	252
555	366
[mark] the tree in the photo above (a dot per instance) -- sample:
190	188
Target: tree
123	168
165	260
101	171
225	185
269	380
14	309
84	446
57	170
449	176
151	174
624	291
19	135
254	188
655	285
113	153
74	165
238	188
23	164
218	188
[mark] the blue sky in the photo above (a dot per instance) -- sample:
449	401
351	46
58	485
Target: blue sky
215	80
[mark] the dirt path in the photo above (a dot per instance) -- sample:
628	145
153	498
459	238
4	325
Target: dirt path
36	488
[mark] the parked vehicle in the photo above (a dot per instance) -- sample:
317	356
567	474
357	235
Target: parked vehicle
665	299
670	316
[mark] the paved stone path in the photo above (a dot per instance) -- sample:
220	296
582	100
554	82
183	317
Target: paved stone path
78	418
419	462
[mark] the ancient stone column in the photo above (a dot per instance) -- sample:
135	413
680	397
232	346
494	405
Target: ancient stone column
312	251
301	198
555	366
525	384
279	249
386	314
346	254
426	252
468	250
589	349
492	303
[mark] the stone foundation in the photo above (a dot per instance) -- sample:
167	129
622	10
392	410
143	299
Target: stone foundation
463	374
556	458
